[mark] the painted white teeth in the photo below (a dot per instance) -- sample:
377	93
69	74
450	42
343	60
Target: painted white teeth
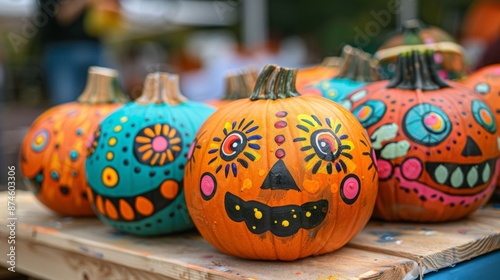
476	175
457	178
472	176
486	173
441	174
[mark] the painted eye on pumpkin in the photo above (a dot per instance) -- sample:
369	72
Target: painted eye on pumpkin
483	115
370	112
40	140
426	124
239	145
233	145
157	144
324	145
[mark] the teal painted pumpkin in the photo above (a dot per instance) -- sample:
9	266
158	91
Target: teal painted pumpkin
358	69
135	166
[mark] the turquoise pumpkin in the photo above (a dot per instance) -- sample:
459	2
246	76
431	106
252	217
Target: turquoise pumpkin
135	166
357	70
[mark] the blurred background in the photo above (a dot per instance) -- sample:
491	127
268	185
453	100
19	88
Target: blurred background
46	46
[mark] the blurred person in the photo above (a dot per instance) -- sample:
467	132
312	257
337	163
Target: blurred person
71	43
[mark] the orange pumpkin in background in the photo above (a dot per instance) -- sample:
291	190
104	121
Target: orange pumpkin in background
414	35
239	84
53	152
486	82
435	141
328	69
280	176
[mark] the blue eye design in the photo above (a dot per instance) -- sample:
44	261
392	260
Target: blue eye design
426	124
483	115
370	112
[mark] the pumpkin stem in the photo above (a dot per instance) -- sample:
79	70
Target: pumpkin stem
102	87
239	84
412	26
275	82
417	70
357	66
332	61
161	87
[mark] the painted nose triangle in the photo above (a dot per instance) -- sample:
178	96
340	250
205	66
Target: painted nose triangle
471	148
279	178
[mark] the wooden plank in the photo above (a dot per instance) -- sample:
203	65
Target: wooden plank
434	246
33	259
187	255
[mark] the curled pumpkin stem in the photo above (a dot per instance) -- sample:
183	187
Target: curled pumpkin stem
275	82
417	70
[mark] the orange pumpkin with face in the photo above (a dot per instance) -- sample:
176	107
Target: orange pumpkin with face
280	176
486	82
53	151
435	142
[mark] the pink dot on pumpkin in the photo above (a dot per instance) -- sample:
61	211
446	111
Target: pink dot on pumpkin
496	71
438	58
384	169
281	114
207	185
280	124
411	168
429	40
159	144
280	153
351	188
443	74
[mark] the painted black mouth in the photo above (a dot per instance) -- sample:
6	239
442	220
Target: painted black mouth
462	176
158	203
281	220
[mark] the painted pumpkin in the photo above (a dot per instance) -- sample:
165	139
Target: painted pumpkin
448	55
280	176
435	142
239	84
135	165
53	151
357	70
327	69
486	82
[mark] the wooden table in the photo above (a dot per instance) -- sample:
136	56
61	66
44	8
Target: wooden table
49	246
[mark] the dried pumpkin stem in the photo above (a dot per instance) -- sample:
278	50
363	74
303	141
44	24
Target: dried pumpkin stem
417	70
161	88
102	87
357	66
239	84
275	82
